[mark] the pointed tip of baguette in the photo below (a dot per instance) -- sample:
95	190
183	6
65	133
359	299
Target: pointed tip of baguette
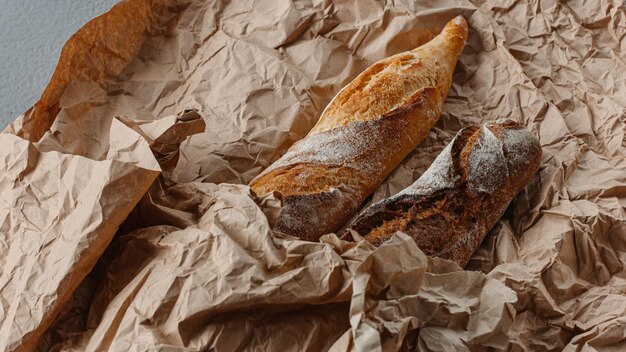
459	21
457	27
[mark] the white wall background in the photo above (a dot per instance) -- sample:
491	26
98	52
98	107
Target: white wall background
32	33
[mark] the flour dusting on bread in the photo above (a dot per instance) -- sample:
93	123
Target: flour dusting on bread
310	211
439	176
340	146
487	164
518	144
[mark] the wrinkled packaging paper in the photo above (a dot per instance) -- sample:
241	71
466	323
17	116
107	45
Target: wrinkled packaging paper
126	225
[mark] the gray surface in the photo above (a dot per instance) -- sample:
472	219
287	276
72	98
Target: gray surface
32	35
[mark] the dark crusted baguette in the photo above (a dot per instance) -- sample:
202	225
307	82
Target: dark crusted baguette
452	206
368	128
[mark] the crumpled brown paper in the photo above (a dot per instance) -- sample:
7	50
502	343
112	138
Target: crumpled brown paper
58	212
228	284
209	93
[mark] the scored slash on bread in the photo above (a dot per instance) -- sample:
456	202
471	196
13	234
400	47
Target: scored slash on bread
451	207
362	135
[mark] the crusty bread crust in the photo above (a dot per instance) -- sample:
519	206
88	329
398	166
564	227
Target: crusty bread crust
363	134
450	209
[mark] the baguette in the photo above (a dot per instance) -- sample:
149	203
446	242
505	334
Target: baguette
362	135
451	207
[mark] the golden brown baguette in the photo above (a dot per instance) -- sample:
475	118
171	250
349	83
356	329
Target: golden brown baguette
452	206
362	135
